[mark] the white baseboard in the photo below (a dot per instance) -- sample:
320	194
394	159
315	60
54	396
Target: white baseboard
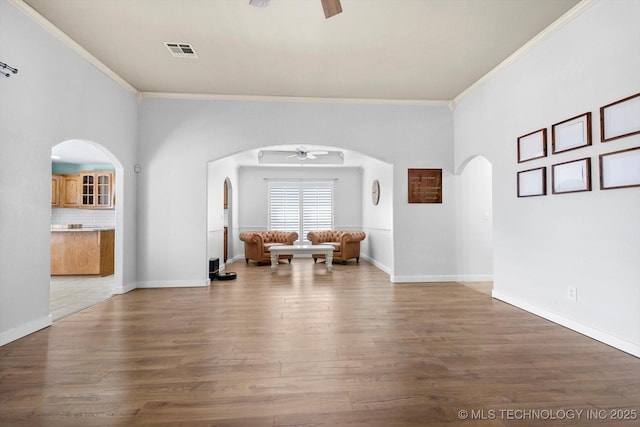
24	330
475	278
596	334
173	284
442	278
377	264
425	278
127	287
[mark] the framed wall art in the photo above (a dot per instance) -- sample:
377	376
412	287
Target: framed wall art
620	118
571	177
571	134
620	169
532	145
532	182
425	185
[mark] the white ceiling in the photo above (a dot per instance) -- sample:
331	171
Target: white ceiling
413	50
376	50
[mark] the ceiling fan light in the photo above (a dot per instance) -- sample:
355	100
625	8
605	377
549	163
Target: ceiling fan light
259	3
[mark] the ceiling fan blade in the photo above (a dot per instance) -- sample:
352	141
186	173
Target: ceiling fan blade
310	156
331	8
259	3
319	153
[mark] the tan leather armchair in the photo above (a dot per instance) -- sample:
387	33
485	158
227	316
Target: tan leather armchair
346	244
257	244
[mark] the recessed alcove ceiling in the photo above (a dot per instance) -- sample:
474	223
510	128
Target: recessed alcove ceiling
350	158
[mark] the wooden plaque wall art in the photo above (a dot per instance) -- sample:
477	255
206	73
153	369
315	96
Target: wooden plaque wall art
425	185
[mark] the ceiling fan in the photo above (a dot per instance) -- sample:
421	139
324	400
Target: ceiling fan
302	153
330	7
299	156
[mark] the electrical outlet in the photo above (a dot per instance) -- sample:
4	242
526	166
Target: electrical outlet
572	293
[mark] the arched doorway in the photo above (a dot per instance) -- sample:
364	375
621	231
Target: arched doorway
475	224
86	178
228	219
247	175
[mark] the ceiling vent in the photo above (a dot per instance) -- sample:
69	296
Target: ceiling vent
181	50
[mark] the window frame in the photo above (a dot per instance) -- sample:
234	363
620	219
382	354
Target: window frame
300	187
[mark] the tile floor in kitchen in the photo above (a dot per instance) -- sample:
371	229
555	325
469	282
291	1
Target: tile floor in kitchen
70	294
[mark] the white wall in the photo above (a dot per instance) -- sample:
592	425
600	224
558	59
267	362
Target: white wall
423	243
377	220
474	230
588	240
56	96
179	137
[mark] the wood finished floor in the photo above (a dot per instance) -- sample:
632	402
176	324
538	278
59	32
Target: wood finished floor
305	347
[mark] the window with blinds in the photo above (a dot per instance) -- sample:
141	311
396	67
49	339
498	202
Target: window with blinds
301	207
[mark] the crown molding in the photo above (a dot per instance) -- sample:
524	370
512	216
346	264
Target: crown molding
55	31
451	104
296	99
555	26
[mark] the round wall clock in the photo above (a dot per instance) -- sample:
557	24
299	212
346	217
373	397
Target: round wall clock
375	192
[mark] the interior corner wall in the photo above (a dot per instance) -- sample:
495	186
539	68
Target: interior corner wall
55	96
588	240
377	220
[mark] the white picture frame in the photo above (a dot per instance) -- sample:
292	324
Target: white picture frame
620	169
571	177
571	134
532	182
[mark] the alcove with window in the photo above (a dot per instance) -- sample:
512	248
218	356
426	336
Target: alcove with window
300	206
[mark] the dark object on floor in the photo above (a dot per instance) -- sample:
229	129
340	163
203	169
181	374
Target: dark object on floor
230	275
214	266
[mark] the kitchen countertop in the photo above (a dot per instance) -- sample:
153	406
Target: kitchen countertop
76	229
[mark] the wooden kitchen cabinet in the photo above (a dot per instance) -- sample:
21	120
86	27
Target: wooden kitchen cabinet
65	191
96	189
82	252
56	187
70	191
89	189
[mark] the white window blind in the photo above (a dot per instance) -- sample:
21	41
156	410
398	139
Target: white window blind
301	207
317	209
284	208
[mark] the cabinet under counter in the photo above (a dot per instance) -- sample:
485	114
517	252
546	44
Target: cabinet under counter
82	252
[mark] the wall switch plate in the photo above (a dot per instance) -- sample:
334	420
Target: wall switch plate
572	293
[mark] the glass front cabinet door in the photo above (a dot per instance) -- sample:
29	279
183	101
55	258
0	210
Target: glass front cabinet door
97	189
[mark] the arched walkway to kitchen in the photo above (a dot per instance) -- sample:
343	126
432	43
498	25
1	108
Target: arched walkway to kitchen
70	293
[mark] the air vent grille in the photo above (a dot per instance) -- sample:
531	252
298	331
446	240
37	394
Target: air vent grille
181	50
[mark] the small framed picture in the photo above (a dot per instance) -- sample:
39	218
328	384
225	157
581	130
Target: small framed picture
620	118
571	177
620	169
532	182
571	134
425	185
532	145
